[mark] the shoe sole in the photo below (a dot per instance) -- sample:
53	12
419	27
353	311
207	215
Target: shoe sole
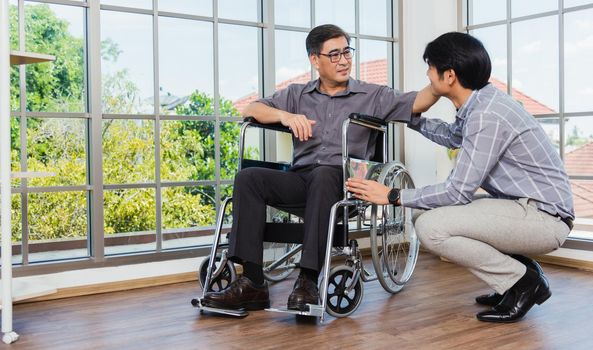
250	306
299	306
542	299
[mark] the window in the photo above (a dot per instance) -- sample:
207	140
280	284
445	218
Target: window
542	67
49	128
138	123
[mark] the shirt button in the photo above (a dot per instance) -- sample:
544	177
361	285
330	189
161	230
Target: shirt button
323	148
318	161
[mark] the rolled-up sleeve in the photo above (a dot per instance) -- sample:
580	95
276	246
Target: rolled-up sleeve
395	105
484	142
284	99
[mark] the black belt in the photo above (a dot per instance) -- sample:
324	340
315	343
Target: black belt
567	221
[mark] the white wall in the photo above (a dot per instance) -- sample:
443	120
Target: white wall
423	21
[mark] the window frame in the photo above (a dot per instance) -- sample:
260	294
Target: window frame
464	25
94	117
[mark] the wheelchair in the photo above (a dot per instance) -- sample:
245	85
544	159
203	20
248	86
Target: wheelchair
394	245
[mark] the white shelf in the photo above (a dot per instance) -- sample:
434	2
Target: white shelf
21	57
21	290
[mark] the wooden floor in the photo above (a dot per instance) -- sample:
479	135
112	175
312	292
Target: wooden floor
435	311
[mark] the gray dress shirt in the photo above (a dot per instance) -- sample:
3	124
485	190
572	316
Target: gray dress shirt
325	147
504	150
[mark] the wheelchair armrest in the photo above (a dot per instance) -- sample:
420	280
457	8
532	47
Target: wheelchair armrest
275	126
368	121
253	163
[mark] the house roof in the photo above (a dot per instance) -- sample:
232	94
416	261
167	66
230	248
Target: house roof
582	194
375	71
531	105
580	162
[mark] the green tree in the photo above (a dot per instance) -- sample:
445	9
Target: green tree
56	86
59	146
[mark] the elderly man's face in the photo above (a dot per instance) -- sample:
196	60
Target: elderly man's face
338	51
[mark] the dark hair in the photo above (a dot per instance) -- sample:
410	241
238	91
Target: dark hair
464	54
320	34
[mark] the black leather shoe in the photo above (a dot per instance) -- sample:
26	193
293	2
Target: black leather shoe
531	289
240	294
304	292
494	299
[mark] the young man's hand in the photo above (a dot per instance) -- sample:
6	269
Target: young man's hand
424	100
368	190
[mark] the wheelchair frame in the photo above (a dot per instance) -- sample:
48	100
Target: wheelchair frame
345	280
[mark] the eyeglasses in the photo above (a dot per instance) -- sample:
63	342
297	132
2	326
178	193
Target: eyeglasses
335	57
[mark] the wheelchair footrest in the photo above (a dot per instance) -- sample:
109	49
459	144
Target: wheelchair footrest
230	312
314	310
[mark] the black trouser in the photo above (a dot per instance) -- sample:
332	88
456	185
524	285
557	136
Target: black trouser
315	188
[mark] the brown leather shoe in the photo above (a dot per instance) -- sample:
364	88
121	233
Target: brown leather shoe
240	294
304	292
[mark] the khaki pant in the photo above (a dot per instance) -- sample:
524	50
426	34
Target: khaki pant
481	234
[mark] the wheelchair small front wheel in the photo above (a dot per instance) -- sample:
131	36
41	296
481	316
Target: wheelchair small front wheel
220	281
340	301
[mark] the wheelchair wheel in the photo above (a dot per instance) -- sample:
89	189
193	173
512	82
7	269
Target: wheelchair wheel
339	302
222	280
394	244
274	252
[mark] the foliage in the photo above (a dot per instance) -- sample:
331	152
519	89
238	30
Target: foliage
576	139
56	86
188	150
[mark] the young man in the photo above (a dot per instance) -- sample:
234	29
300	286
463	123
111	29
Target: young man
504	151
314	112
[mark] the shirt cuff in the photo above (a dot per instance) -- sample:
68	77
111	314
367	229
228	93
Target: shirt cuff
417	122
265	101
409	98
406	197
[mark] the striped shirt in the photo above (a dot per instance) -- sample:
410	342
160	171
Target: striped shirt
503	150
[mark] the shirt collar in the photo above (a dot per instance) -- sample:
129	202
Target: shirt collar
471	101
354	86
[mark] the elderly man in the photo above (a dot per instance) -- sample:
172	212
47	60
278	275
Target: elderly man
314	112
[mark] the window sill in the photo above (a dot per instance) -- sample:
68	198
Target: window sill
575	258
105	279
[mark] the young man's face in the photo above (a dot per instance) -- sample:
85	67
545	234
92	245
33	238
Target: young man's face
338	71
438	83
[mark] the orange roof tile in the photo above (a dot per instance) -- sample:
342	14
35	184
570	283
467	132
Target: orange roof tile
580	161
531	105
375	71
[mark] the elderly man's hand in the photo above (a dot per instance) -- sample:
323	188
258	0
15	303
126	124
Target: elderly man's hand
368	190
299	124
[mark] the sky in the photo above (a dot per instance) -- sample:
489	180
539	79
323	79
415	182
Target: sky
535	50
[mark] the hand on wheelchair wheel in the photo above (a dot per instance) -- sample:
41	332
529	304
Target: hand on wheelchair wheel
368	190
